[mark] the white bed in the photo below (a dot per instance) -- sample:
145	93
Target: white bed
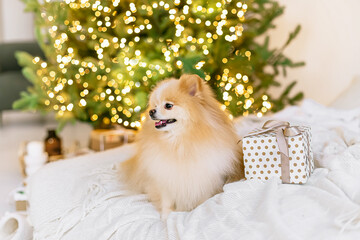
82	198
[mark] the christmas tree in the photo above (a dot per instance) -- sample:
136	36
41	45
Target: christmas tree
104	57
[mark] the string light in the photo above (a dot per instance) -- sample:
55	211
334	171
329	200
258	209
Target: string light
120	69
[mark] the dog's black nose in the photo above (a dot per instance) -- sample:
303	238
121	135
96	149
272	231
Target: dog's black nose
152	112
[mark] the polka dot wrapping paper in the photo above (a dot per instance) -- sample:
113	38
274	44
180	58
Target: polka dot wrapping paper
262	158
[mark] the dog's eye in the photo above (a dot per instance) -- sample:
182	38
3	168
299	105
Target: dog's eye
168	106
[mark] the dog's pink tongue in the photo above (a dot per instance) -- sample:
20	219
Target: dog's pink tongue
161	122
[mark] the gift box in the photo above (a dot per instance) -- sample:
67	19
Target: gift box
278	150
20	199
103	139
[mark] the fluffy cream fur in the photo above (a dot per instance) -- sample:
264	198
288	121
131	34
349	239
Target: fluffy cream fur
186	162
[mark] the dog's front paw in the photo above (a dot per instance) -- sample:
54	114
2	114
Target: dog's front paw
165	213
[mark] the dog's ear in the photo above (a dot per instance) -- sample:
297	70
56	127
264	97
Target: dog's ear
191	83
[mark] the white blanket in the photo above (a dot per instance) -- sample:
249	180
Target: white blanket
82	198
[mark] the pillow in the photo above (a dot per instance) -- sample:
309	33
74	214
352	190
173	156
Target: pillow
350	97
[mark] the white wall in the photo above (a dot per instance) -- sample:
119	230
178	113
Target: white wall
15	25
329	43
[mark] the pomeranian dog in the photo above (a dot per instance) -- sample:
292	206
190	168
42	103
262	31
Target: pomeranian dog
187	147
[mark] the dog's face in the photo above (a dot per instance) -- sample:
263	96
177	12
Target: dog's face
173	103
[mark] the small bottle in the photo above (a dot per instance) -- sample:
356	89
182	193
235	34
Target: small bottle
53	145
